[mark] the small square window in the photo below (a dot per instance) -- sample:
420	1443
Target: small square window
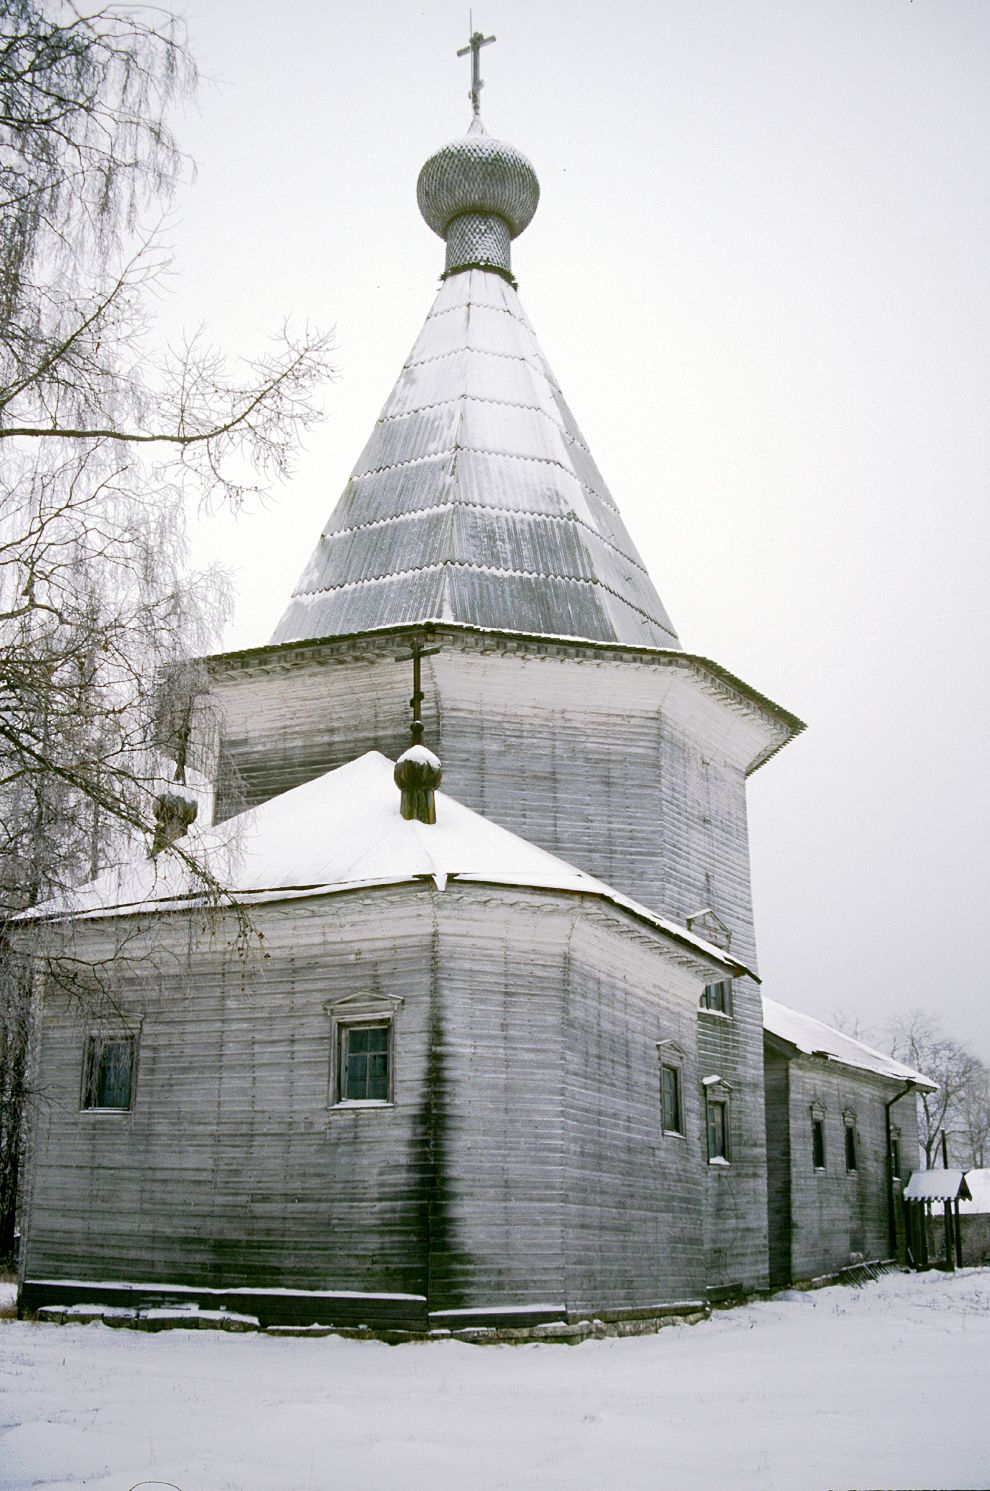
362	1049
670	1092
109	1073
718	997
363	1075
718	1128
818	1143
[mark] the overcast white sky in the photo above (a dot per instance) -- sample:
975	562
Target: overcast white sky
759	270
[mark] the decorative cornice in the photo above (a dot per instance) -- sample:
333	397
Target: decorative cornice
733	691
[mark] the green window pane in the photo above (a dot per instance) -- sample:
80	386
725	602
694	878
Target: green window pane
364	1049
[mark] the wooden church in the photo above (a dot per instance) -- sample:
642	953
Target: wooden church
486	1055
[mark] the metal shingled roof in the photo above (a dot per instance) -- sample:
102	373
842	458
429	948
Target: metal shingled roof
476	499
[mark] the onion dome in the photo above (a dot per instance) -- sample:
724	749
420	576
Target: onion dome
174	815
478	193
417	775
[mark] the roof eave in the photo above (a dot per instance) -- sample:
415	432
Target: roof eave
695	947
791	723
790	1049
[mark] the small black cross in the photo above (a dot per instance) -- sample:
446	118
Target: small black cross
474	46
417	652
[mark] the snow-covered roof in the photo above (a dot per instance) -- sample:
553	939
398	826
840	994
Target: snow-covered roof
978	1182
342	831
936	1185
476	499
814	1038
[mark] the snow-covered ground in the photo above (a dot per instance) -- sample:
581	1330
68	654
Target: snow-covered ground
887	1385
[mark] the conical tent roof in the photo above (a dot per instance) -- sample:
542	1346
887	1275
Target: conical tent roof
476	500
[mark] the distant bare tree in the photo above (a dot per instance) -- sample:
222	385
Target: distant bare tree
960	1107
104	443
917	1039
968	1123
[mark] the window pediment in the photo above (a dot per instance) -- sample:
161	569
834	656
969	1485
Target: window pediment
364	1003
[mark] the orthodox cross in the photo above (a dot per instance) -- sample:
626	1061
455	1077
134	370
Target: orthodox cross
474	46
417	652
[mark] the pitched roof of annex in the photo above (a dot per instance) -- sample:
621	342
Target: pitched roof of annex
811	1037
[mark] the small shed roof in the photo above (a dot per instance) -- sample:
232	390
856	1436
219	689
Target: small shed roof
936	1185
343	831
814	1038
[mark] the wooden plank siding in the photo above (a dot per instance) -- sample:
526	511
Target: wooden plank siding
521	1164
835	1213
498	1098
634	1194
231	1171
631	767
778	1124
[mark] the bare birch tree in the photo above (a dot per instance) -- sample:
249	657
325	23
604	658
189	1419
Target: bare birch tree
104	442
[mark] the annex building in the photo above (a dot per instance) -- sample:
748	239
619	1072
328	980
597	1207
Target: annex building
492	1054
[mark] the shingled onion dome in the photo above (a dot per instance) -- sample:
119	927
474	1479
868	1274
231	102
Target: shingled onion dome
478	193
417	775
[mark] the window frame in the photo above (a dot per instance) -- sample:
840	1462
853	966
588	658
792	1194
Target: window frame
359	1012
723	1005
346	1030
671	1059
718	1098
819	1154
94	1047
818	1139
851	1141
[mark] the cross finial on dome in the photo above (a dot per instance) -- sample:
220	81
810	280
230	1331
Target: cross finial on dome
478	193
474	46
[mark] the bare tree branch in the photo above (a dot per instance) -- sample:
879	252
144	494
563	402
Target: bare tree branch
106	441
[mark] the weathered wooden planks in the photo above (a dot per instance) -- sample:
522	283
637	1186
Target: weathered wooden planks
522	1163
820	1218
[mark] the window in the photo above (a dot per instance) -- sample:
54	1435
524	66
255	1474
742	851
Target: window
670	1093
717	1094
818	1143
718	1128
364	1063
850	1122
718	997
362	1050
109	1072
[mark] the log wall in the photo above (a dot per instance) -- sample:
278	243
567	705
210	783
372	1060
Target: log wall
521	1167
778	1121
835	1213
631	767
635	1196
231	1171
